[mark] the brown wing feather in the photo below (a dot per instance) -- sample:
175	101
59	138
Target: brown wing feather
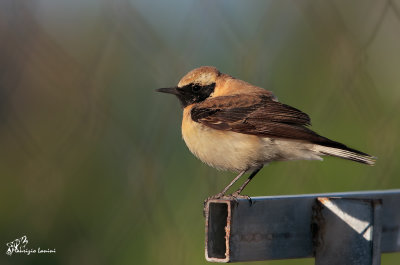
253	114
260	115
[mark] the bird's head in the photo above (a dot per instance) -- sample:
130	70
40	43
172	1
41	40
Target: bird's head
196	86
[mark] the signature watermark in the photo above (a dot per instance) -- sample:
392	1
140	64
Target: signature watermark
18	246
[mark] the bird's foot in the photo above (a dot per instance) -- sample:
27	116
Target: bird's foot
217	196
236	195
214	197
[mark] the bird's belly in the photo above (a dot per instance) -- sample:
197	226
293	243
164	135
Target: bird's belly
223	150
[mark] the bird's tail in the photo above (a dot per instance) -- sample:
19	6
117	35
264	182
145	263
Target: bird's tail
342	151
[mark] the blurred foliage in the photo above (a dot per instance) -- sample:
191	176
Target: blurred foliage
92	162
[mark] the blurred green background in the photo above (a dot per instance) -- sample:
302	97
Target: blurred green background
92	161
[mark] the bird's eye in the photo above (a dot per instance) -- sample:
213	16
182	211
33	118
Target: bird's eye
196	88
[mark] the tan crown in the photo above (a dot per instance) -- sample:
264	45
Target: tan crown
203	76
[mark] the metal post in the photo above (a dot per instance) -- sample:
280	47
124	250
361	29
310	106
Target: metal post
282	227
347	231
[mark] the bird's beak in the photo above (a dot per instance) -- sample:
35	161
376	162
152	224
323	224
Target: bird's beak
169	90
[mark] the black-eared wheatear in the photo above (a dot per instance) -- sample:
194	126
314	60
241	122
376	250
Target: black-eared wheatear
232	125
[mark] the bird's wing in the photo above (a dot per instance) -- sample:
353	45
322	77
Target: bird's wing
255	114
261	115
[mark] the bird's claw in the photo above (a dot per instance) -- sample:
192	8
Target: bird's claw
237	195
214	197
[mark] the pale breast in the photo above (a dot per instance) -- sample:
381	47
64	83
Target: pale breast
223	150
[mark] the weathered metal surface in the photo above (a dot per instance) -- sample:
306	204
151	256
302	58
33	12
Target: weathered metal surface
347	231
282	227
218	224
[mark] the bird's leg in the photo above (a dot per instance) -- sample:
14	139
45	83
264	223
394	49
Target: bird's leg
238	191
232	182
222	193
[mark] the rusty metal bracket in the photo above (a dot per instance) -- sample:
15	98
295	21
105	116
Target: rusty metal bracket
301	226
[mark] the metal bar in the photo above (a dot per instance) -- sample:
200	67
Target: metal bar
377	232
347	231
282	227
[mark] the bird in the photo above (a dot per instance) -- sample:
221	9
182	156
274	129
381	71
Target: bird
232	125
